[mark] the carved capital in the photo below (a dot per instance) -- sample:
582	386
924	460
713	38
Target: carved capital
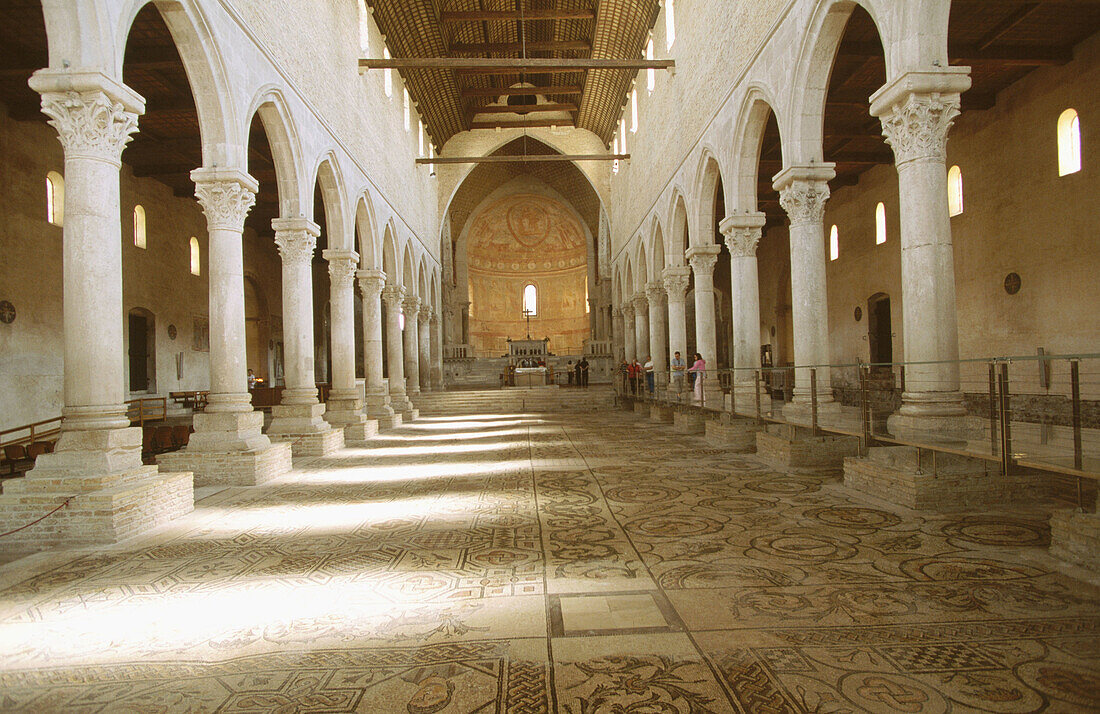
655	292
90	124
641	304
742	232
225	197
411	304
425	315
341	267
916	128
393	295
702	259
804	201
676	281
371	283
627	311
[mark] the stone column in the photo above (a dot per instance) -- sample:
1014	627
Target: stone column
617	334
424	352
703	259
98	449
299	417
437	351
803	191
742	232
228	446
394	295
641	326
412	345
675	281
344	406
917	111
658	332
371	283
629	332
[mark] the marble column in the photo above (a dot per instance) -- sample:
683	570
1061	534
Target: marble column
629	331
411	305
803	191
299	416
617	334
424	351
394	295
437	351
917	111
703	259
675	281
641	327
742	232
94	117
344	406
658	331
371	283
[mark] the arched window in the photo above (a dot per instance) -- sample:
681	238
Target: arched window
1069	143
954	191
405	104
587	307
55	198
651	74
139	226
634	111
401	320
670	23
387	74
530	300
420	137
834	243
880	224
196	266
364	29
615	150
622	135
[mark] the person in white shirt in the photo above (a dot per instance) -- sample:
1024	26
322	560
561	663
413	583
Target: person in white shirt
648	367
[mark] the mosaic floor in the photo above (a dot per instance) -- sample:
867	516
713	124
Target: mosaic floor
588	564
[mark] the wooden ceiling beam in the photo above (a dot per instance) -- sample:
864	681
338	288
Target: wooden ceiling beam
510	124
514	64
1007	24
531	46
519	91
509	159
512	15
523	108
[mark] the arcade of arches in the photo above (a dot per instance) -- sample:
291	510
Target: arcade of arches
809	284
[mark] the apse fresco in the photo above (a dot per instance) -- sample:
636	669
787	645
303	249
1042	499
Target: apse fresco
519	240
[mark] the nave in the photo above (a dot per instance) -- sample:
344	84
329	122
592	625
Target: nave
573	562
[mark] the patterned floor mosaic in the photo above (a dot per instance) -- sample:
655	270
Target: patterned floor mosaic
586	564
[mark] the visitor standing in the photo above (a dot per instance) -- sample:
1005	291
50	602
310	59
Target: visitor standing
582	368
569	372
624	374
678	370
698	370
648	374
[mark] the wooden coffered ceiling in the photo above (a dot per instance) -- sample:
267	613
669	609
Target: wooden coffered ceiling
449	99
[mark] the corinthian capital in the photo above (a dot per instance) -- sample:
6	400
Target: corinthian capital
655	292
393	295
226	197
90	124
371	283
803	191
296	238
676	279
627	311
742	232
703	259
425	315
411	303
917	110
341	267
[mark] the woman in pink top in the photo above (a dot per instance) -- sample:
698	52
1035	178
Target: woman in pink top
699	368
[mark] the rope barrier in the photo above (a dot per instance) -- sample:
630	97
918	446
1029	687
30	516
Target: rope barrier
11	532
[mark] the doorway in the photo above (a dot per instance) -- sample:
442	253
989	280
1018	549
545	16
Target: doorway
880	334
142	350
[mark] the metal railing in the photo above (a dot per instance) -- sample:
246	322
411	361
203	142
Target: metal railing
1036	411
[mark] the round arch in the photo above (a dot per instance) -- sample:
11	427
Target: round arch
327	175
282	135
367	245
752	122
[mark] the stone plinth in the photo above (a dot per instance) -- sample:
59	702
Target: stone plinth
688	422
389	421
229	449
102	509
661	413
347	414
804	453
641	407
894	474
733	433
1075	538
304	428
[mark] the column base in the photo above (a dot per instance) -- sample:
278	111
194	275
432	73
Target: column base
641	406
378	406
393	421
361	433
660	413
736	434
229	449
103	508
1075	538
743	399
688	422
303	426
713	397
902	476
802	452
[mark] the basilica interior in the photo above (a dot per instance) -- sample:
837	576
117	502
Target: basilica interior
520	356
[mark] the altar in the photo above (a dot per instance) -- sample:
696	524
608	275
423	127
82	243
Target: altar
531	376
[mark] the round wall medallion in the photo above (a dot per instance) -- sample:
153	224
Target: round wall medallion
1012	283
171	332
859	313
7	312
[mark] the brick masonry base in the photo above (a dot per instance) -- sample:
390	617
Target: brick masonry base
736	434
129	504
894	475
360	434
805	453
323	443
1075	538
689	422
392	421
662	414
234	468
